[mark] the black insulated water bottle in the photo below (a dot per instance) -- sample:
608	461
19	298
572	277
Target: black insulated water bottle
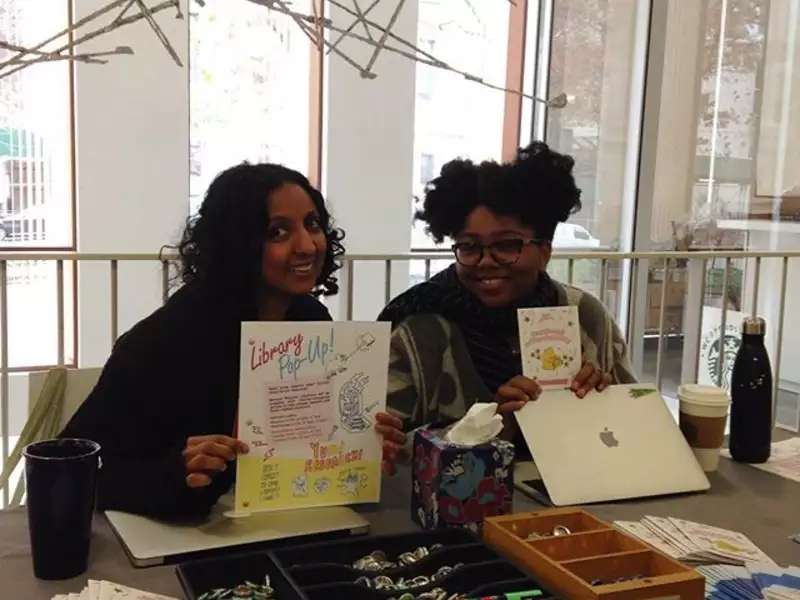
751	396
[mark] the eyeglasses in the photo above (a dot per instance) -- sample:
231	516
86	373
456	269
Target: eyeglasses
503	252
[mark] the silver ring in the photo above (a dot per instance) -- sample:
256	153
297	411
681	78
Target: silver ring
561	530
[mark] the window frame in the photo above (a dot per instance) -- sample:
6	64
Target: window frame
72	190
316	107
72	186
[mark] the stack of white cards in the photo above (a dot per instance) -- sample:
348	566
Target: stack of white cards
106	590
696	543
753	582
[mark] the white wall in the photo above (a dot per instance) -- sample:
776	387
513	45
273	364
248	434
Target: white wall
369	158
132	158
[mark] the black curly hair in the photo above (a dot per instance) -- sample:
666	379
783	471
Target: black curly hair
537	188
222	245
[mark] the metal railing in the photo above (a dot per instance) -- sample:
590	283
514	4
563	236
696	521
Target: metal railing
633	269
634	262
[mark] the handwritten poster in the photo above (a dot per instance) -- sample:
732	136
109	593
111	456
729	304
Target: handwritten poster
550	343
308	397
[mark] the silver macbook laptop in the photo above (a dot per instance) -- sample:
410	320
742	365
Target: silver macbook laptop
620	443
149	542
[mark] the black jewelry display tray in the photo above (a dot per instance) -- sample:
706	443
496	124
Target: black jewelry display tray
323	570
201	576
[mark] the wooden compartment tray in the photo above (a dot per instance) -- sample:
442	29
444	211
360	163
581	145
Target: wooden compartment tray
594	562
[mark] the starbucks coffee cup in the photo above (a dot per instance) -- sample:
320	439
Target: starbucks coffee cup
703	414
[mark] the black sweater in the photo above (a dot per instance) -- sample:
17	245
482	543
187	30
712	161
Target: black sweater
174	375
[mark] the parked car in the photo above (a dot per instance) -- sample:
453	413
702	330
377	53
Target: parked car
570	236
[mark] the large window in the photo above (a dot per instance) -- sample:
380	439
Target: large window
702	157
713	72
705	120
594	52
595	57
36	183
35	139
455	117
249	89
720	173
36	195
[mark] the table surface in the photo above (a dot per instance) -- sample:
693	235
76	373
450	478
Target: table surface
763	506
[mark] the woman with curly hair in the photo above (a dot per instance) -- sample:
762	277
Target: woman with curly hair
455	339
262	246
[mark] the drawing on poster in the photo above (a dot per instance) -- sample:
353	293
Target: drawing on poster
352	481
322	485
352	413
334	429
300	485
340	362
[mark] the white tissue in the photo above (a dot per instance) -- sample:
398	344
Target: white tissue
480	425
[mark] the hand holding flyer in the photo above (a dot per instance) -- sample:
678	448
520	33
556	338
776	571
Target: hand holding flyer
307	399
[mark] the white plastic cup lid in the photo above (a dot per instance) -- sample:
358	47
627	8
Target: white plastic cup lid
706	395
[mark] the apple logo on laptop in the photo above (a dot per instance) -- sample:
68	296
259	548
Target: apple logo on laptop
607	437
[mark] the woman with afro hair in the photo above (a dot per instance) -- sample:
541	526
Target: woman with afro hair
455	339
262	246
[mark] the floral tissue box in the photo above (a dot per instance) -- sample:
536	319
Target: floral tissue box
459	486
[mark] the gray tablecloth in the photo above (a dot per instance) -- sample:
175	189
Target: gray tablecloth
763	506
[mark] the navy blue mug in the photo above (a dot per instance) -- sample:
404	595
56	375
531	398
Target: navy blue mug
61	478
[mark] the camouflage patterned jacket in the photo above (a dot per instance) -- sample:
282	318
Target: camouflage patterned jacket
432	377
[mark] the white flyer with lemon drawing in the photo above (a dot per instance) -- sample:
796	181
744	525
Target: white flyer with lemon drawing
550	344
